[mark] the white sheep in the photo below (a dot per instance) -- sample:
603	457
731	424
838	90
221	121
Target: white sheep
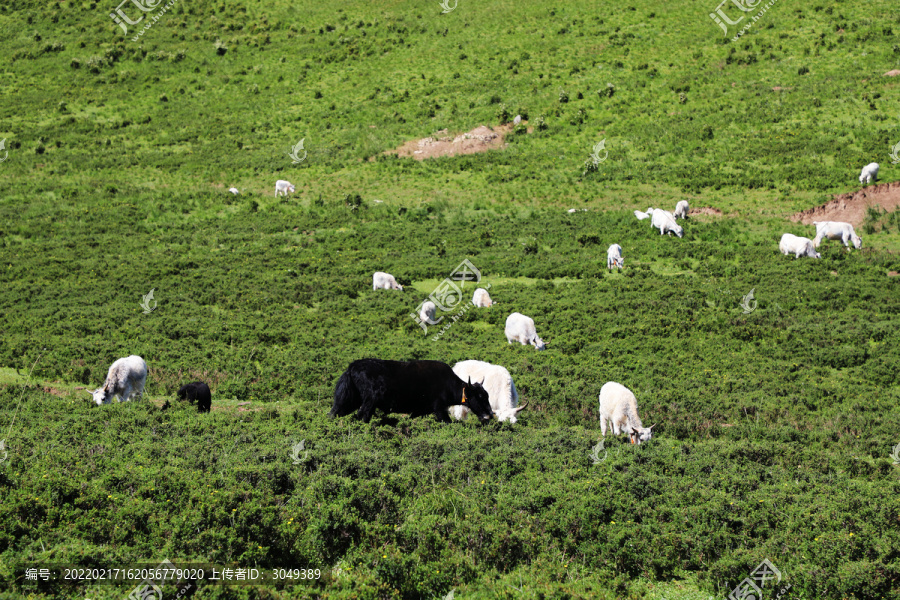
681	209
665	221
836	230
234	191
798	246
614	257
426	312
869	173
619	406
520	328
517	120
385	281
283	187
126	378
482	299
644	215
497	381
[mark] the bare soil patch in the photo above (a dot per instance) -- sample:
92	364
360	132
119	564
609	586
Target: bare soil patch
892	73
704	210
851	207
480	139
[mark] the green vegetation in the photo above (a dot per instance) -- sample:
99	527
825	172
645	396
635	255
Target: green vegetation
773	429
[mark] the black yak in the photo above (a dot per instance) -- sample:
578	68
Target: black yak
198	391
417	387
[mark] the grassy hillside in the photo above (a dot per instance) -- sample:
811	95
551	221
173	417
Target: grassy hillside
774	428
691	112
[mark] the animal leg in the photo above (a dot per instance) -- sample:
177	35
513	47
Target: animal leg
442	416
364	413
603	425
367	408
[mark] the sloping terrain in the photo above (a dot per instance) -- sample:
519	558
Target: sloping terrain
851	207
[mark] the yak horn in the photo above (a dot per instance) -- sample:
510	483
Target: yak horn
652	426
518	408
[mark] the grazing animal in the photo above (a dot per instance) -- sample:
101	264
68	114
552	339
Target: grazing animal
497	381
665	221
126	378
520	328
614	257
517	120
481	299
283	187
417	387
681	209
619	406
869	173
836	230
234	191
426	313
644	215
198	391
385	281
798	246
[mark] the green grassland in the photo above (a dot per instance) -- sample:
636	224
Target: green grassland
774	429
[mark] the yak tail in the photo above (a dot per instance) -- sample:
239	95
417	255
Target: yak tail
346	396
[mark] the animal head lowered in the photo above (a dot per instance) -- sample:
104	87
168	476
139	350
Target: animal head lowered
641	435
476	399
509	414
101	395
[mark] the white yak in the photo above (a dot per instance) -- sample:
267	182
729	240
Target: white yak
385	281
499	384
520	328
836	230
619	406
126	378
798	246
